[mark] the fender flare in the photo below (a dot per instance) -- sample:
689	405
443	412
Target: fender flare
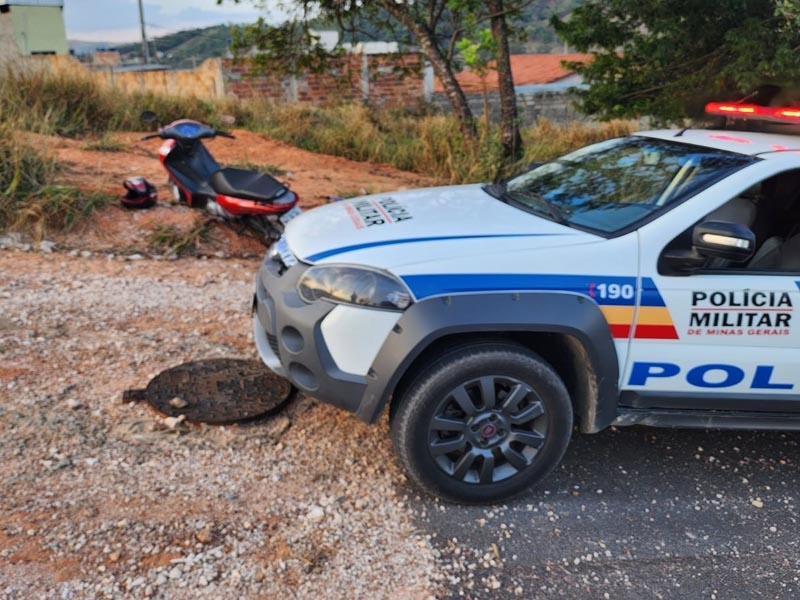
497	312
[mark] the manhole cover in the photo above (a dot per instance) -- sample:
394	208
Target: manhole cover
215	391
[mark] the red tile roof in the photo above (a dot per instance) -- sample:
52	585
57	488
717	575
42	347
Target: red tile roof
527	69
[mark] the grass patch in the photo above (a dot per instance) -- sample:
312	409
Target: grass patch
105	143
429	144
171	239
547	140
30	200
248	165
74	104
50	208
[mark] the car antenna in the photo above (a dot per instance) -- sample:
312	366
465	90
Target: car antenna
684	129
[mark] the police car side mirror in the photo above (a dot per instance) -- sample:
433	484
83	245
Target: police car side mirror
721	239
680	261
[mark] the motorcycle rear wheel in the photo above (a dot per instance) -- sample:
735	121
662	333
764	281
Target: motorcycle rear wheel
266	230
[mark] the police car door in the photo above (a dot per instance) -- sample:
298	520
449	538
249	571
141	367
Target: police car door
722	337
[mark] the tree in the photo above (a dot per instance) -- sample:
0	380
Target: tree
436	27
483	49
287	49
509	121
666	58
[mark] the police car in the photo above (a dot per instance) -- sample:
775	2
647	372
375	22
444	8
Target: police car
645	280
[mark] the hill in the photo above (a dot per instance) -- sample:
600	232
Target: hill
185	49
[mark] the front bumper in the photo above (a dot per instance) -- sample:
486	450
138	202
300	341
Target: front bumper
289	340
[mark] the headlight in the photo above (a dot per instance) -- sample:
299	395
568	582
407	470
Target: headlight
353	285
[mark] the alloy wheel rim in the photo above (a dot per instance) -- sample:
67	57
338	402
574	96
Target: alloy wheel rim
487	429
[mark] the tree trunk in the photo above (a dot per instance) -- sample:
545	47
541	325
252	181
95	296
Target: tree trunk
509	122
442	68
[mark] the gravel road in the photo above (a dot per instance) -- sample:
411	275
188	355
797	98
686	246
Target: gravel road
102	499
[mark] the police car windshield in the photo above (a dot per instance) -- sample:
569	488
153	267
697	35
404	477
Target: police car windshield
610	186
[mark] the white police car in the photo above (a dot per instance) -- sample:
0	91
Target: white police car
650	279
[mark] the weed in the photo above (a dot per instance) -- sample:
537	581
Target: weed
171	239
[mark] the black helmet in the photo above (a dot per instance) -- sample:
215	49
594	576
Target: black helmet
141	193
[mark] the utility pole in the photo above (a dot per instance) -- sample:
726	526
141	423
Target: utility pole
145	48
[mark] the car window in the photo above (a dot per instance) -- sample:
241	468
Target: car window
770	209
610	186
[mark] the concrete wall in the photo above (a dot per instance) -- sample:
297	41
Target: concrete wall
8	41
206	81
557	106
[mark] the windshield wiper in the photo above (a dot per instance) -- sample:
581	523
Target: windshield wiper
551	208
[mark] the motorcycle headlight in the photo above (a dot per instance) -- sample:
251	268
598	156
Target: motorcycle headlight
353	285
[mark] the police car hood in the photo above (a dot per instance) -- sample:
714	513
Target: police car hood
401	228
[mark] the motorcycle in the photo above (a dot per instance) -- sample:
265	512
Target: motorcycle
256	201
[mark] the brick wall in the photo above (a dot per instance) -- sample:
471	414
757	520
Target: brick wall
380	79
396	81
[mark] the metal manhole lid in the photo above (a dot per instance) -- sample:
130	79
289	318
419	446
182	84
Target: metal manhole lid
217	390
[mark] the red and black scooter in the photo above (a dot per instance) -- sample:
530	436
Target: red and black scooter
255	200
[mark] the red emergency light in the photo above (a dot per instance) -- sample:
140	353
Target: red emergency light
780	114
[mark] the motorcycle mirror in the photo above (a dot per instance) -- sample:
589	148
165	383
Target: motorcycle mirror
148	117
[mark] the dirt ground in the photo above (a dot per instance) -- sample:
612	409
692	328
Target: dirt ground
102	499
314	177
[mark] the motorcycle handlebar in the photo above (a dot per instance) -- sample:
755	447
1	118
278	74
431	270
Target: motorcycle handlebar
209	134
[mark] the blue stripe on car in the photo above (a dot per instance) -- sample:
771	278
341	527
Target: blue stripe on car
424	286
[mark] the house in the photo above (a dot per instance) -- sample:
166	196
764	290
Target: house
531	72
542	84
32	27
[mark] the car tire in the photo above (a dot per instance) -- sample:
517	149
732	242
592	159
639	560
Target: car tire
482	423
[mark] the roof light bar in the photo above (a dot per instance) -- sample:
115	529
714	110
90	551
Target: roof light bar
780	114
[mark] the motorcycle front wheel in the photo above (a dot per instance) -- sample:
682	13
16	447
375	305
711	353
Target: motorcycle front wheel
177	193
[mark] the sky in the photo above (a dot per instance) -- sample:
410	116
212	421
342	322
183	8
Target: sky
117	21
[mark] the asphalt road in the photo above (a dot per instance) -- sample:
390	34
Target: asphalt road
637	513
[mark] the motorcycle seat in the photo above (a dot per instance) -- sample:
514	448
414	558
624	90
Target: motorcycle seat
249	185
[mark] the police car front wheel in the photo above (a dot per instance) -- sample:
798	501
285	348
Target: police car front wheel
482	422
